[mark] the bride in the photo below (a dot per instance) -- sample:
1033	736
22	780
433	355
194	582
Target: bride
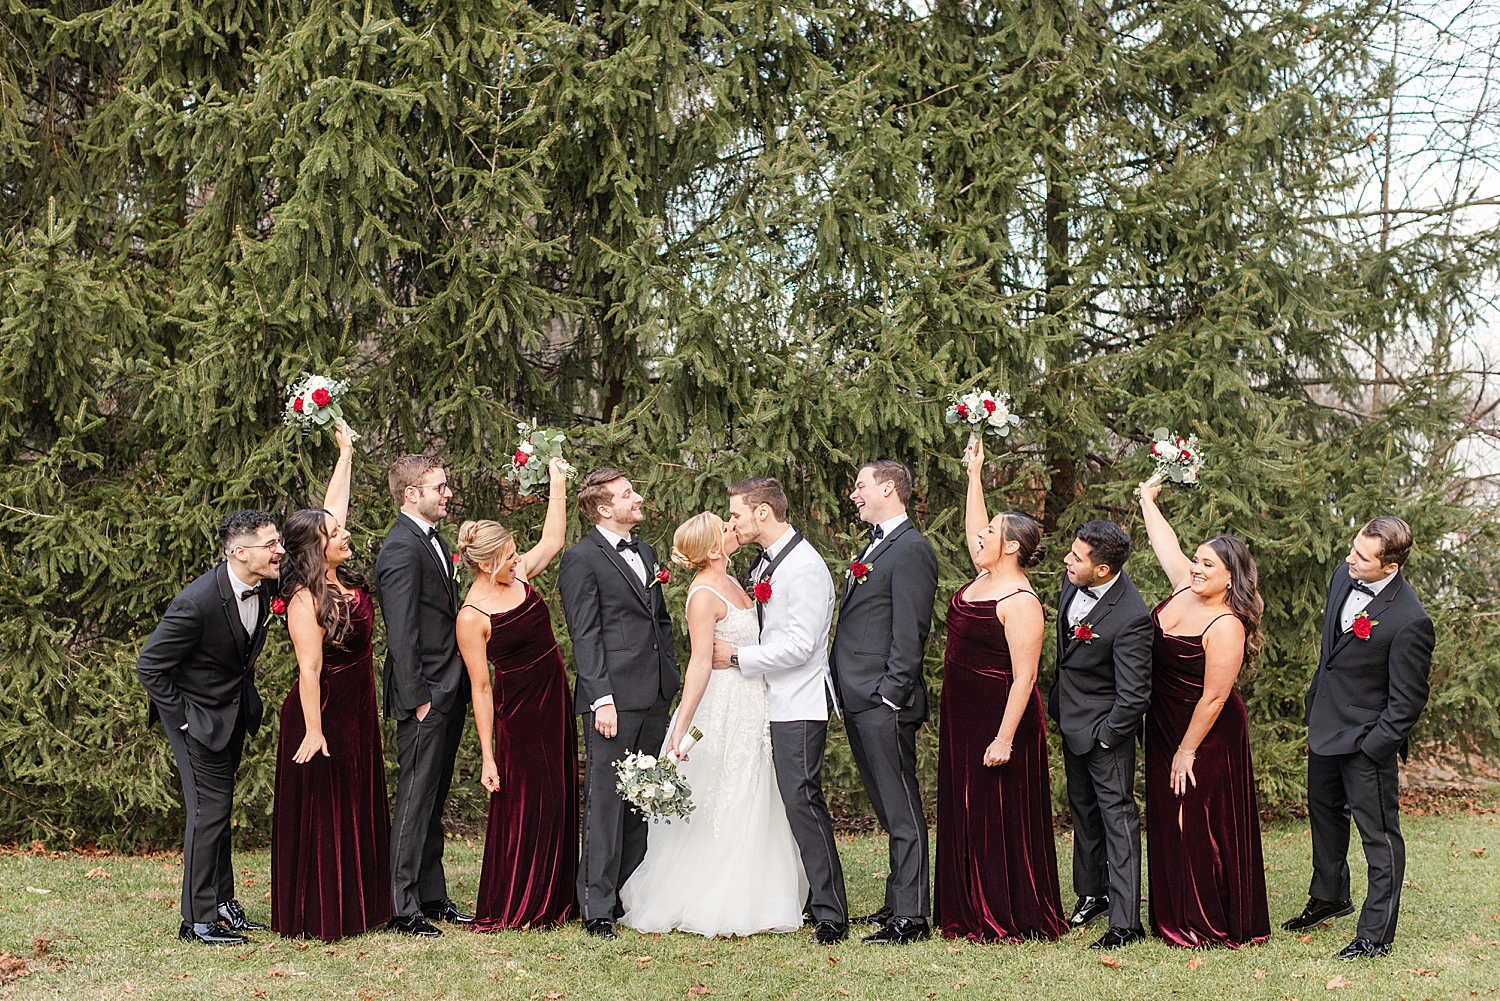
732	868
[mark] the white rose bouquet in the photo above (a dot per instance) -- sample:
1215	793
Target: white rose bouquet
538	447
652	785
982	413
1177	459
315	402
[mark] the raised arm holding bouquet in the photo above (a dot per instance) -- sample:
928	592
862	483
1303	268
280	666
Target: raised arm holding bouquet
317	401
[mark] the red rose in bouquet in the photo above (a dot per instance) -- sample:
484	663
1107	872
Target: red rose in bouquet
520	458
322	397
297	404
763	591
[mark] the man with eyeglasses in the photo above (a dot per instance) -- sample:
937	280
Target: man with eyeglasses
198	668
426	690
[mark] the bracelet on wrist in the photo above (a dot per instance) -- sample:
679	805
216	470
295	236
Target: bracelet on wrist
1184	750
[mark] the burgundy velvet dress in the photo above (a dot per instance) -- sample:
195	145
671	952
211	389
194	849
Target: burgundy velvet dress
1208	884
531	843
996	858
331	823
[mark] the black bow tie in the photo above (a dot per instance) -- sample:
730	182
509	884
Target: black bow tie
760	556
633	545
877	533
248	593
432	533
1364	588
1091	592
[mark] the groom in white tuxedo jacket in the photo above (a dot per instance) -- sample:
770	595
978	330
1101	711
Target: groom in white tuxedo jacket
793	658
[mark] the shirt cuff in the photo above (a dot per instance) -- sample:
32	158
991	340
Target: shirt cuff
890	703
605	700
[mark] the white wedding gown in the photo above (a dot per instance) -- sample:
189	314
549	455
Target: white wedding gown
732	868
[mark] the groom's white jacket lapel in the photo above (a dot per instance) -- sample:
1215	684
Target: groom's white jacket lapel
793	650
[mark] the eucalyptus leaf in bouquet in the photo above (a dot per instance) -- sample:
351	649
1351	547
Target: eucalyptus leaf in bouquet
536	450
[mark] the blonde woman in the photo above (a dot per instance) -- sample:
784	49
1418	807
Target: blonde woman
526	729
733	867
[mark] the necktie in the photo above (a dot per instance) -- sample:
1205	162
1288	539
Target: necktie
1364	588
633	545
249	593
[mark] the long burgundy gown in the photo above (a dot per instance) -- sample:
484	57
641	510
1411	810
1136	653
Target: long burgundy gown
1208	884
996	858
531	844
331	824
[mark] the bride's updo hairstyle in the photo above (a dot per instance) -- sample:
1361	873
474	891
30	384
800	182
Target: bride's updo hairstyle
482	542
1022	529
698	540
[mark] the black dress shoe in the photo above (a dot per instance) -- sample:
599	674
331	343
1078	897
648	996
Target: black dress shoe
1316	912
829	932
211	933
899	931
414	924
1363	948
1116	937
446	910
233	916
600	927
880	917
1087	909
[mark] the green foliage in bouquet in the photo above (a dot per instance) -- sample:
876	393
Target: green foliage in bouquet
530	465
652	786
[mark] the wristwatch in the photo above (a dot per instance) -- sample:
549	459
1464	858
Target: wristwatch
734	659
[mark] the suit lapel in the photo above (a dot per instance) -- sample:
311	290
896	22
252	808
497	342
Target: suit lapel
1334	612
614	557
231	605
443	563
1375	609
850	584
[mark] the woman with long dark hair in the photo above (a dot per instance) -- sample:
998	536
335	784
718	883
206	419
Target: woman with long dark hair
1208	885
996	872
330	826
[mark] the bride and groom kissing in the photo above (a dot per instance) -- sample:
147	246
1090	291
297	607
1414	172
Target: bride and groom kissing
758	853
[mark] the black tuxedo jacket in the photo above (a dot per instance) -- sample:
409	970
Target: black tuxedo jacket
198	667
884	623
620	628
1103	687
1366	695
419	603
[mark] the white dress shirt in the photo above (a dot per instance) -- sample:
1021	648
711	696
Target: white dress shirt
437	547
249	607
793	651
630	556
1358	601
633	560
1083	603
886	528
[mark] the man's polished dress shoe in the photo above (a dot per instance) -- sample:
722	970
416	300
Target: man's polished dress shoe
1116	937
829	932
880	917
899	931
1316	912
600	927
1363	948
1087	909
211	933
232	915
446	910
414	924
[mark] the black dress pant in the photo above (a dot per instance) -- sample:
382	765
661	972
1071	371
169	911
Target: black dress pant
425	749
1353	785
208	796
797	752
614	832
884	743
1106	829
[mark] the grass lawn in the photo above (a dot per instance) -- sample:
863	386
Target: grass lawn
115	936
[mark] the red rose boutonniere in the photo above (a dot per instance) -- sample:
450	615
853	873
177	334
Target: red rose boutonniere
458	561
1083	632
763	591
278	605
859	571
662	576
1363	625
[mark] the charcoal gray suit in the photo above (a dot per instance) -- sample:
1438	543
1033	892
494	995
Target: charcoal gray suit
1102	690
877	656
419	603
1364	699
198	667
621	633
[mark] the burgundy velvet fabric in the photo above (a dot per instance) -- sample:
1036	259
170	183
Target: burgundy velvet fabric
1207	881
331	824
996	858
531	844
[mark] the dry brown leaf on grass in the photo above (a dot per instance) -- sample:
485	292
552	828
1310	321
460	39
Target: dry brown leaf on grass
1304	939
706	962
1477	852
1336	981
697	990
274	972
1110	961
1194	963
1260	974
840	990
12	968
97	872
39	945
833	960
